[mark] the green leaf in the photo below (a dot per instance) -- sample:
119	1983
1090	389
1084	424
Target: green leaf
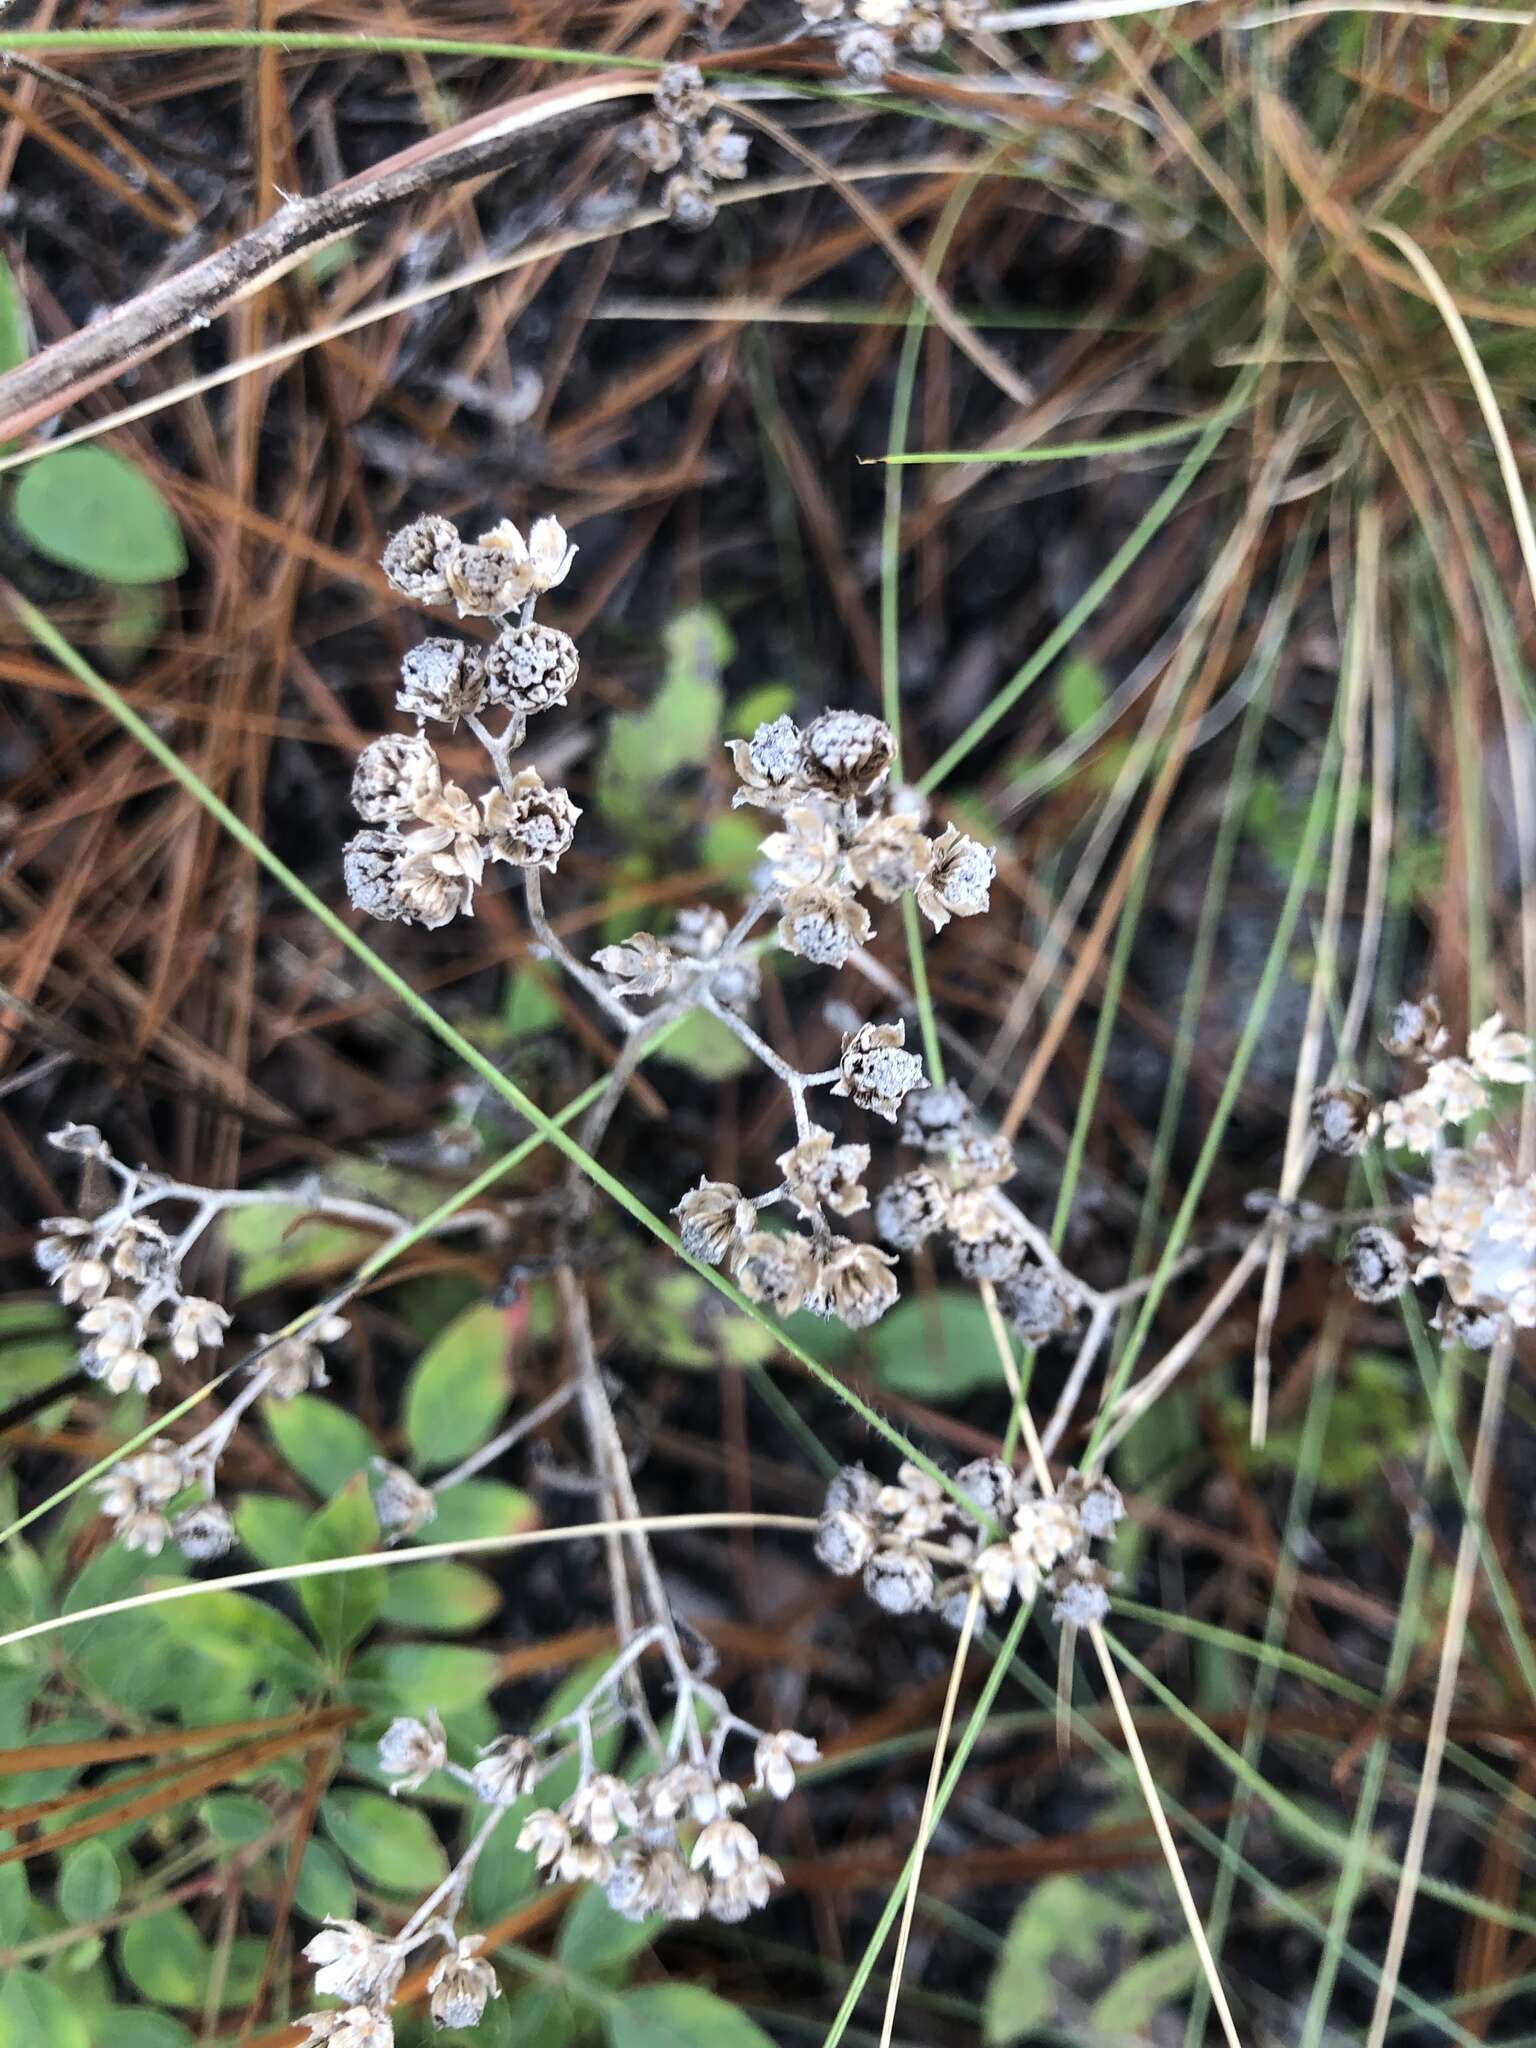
33	2012
15	320
1079	692
89	1882
398	1676
165	1957
442	1599
393	1845
92	510
243	1636
1062	1917
274	1244
594	1939
679	728
126	2029
676	1317
235	1818
344	1606
1141	1990
541	2017
459	1387
758	707
706	1047
271	1528
937	1347
476	1508
15	1902
528	1005
680	2016
324	1890
321	1441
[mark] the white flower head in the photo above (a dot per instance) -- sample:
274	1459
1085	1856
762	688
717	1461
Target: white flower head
550	554
354	1964
410	1751
775	1759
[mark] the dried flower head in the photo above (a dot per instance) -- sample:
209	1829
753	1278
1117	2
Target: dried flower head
989	1239
402	1504
530	668
492	577
393	776
825	925
936	1120
770	765
777	1271
845	1542
889	855
1343	1119
854	1284
1376	1265
688	201
529	823
874	1072
507	1768
959	879
712	1219
354	1964
410	1751
203	1532
417	557
1414	1031
910	1208
681	94
866	54
848	753
461	1985
640	966
899	1581
442	679
819	1174
1039	1303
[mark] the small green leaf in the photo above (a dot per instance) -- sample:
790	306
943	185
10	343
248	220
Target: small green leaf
1141	1990
392	1844
594	1939
235	1818
324	1890
165	1957
758	707
92	510
271	1528
243	1636
343	1606
528	1005
442	1599
1062	1917
89	1882
396	1677
936	1347
706	1047
321	1441
127	2029
274	1244
679	728
1079	692
459	1387
34	2011
541	2017
15	1902
15	320
680	2016
479	1507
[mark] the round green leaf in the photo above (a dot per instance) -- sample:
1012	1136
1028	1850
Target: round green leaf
235	1818
145	2030
89	1882
166	1958
442	1599
680	2016
33	2011
936	1347
459	1387
392	1844
324	1890
90	509
321	1441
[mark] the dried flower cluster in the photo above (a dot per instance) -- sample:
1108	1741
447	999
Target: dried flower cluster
867	35
843	832
669	1841
690	146
429	840
917	1547
1476	1220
